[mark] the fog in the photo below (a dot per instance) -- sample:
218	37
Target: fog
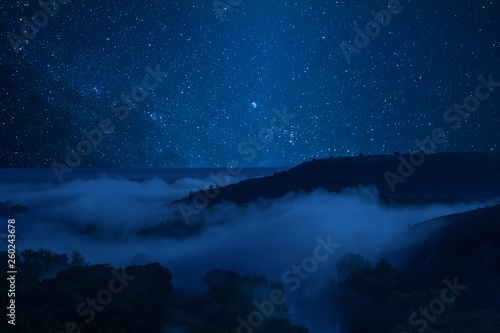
264	238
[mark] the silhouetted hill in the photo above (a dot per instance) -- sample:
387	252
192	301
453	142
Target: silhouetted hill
7	209
442	177
466	246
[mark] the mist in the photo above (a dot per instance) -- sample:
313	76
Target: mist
265	238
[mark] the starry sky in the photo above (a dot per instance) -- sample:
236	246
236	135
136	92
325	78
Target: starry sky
228	71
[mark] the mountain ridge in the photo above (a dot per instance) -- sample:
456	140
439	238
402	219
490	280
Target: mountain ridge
443	177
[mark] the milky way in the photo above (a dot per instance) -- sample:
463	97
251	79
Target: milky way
229	65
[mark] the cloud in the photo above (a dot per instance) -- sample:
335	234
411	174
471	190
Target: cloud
263	238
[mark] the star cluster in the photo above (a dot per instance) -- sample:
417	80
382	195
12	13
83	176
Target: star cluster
228	70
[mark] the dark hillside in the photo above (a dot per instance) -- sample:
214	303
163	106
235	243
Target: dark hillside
443	177
466	246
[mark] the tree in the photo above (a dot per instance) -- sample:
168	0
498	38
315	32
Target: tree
77	259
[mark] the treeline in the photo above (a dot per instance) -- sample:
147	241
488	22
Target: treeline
375	298
61	293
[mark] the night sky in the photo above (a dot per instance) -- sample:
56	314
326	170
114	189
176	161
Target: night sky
225	78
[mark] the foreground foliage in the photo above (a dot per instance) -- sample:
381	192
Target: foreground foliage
377	299
53	290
